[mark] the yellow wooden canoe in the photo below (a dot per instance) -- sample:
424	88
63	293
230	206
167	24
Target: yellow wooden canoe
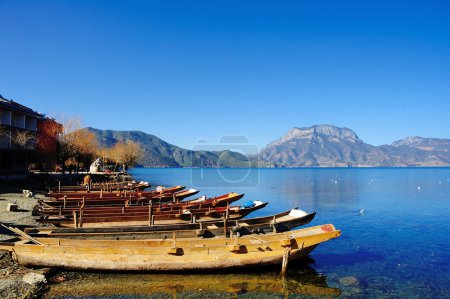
171	254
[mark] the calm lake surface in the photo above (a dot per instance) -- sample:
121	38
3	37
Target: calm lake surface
395	236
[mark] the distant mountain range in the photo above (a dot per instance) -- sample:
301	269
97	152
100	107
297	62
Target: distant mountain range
330	146
315	146
158	153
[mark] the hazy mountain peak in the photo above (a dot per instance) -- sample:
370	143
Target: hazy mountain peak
408	141
427	144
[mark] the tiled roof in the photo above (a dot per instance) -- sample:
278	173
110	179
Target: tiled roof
11	105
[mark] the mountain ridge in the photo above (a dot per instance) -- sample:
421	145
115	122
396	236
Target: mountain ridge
331	146
158	153
314	146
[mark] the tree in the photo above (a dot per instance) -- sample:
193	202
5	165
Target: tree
24	141
64	148
106	153
84	146
75	144
49	131
126	153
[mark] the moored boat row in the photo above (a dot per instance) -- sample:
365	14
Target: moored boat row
261	225
52	207
89	186
126	216
158	230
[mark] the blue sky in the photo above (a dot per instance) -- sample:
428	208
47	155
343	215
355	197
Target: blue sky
190	70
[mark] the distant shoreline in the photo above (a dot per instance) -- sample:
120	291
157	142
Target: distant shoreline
300	167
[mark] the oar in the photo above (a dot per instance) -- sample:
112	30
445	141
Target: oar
23	235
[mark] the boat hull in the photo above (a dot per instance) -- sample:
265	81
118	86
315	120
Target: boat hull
143	218
148	262
172	255
166	193
262	225
56	208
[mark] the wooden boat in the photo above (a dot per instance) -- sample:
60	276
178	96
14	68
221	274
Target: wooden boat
153	210
136	216
114	194
158	198
58	207
127	185
206	229
134	199
120	200
170	254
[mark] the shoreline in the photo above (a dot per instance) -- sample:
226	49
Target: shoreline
18	281
304	167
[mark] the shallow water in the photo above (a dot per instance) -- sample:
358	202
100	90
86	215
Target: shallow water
395	236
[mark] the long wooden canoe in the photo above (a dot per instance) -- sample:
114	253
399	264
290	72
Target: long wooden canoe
128	185
125	193
58	207
206	229
172	254
121	198
129	217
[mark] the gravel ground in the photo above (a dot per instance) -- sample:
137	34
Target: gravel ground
20	218
15	280
18	281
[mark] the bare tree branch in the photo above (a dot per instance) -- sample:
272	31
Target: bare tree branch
24	139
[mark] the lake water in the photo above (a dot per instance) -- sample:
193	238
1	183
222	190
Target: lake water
395	236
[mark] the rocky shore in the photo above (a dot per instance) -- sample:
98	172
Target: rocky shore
17	281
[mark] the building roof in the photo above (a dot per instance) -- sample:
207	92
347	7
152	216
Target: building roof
14	106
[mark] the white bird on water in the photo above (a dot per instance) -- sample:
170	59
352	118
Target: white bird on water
418	188
361	211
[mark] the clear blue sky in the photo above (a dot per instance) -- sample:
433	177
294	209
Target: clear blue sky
189	70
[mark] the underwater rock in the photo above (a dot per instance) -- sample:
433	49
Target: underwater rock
356	291
348	280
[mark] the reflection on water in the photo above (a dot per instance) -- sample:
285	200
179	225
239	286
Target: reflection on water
302	281
311	187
